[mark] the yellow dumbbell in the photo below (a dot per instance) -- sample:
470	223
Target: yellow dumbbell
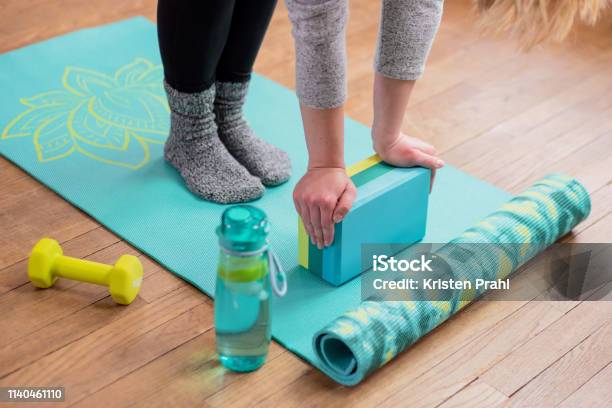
47	263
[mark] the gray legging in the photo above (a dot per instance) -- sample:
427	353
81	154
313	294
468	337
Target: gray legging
407	29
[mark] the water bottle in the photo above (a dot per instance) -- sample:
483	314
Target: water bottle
246	274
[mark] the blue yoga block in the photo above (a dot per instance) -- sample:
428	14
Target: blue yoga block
390	208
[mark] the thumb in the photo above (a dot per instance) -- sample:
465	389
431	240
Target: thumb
345	202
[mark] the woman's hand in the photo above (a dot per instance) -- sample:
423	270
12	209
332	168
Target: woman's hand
394	147
322	198
406	151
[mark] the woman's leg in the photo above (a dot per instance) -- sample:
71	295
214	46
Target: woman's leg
249	24
192	35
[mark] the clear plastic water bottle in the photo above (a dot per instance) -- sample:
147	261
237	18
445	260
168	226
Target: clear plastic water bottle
247	271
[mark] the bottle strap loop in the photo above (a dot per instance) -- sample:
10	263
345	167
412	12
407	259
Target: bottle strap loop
278	278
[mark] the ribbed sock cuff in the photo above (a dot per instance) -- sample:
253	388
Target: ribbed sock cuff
190	104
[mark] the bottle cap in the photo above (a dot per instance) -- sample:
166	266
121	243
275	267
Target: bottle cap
243	228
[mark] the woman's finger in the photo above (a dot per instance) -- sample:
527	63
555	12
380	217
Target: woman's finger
345	202
327	225
433	178
307	222
315	218
425	160
304	216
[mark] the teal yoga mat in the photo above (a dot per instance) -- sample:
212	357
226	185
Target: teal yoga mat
86	115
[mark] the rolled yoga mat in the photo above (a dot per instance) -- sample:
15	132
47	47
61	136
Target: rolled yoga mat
352	346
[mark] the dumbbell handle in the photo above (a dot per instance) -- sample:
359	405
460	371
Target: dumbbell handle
81	270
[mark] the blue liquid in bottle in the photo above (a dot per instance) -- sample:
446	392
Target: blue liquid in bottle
242	293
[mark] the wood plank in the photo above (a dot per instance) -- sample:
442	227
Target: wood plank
593	138
460	65
587	161
5	165
24	221
61	333
266	381
527	361
81	323
184	376
567	374
601	206
313	389
33	21
193	391
596	393
600	232
121	346
159	281
460	369
476	394
9	173
536	127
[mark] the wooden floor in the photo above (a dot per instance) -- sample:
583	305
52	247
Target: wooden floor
503	116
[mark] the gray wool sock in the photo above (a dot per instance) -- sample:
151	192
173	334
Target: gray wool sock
261	159
195	150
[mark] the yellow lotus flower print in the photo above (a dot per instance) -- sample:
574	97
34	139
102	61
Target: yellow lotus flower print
111	119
